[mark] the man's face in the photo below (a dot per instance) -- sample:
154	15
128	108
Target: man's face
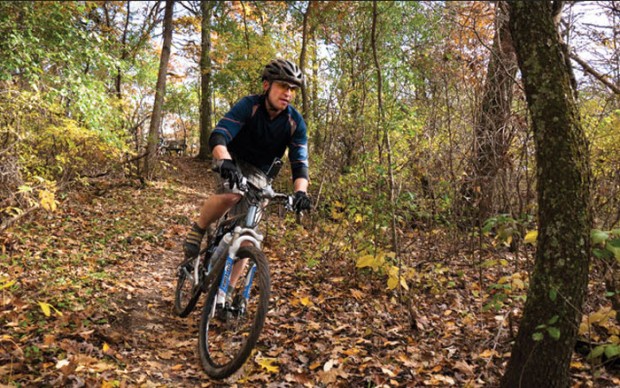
281	94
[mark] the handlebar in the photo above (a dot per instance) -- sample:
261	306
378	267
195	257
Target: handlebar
267	192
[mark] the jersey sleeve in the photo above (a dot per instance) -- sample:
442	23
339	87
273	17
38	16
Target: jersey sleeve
298	148
229	126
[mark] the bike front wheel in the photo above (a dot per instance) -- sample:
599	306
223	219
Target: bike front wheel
188	288
228	334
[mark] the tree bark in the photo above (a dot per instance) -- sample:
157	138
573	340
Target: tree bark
492	131
548	329
124	53
386	135
160	91
302	60
206	113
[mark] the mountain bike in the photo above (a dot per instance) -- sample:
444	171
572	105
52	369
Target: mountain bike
234	311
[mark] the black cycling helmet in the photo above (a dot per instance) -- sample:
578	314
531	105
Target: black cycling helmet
283	70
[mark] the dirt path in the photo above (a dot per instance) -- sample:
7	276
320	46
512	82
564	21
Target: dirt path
86	296
108	262
317	332
162	347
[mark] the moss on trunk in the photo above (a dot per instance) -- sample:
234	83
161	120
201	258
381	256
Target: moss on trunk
547	332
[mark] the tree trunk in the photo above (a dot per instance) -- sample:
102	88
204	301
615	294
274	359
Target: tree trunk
492	132
160	91
124	53
386	134
315	89
302	60
548	329
205	81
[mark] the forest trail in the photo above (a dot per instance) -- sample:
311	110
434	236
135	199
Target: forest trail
91	288
106	265
315	324
318	320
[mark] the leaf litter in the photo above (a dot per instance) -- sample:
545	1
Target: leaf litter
86	297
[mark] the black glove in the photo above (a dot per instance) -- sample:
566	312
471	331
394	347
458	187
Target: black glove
230	172
301	201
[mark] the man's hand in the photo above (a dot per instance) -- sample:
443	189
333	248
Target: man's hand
301	201
229	171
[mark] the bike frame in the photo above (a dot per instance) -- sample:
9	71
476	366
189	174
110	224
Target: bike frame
243	236
238	229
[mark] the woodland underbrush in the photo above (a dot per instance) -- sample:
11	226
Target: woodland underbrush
443	312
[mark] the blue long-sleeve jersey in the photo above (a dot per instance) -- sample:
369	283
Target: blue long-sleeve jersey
249	134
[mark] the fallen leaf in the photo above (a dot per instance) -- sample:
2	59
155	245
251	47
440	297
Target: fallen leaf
267	364
315	365
165	354
488	353
62	363
357	294
464	368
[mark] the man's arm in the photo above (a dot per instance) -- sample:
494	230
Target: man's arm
228	127
300	184
221	152
298	154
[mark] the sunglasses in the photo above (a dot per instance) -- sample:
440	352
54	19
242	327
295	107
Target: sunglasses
286	85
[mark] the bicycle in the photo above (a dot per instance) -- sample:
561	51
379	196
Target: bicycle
230	325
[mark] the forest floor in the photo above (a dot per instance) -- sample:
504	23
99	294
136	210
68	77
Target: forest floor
86	297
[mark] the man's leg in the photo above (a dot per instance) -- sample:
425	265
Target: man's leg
212	209
215	207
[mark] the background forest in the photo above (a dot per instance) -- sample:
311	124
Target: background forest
423	163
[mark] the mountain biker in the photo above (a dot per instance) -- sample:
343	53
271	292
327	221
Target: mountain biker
246	140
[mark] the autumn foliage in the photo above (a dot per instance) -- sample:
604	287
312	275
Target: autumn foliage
392	280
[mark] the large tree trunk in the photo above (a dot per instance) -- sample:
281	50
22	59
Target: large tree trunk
160	91
548	329
492	133
205	80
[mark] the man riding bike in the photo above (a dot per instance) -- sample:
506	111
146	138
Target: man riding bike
244	143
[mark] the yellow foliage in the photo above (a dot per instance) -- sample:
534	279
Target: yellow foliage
47	309
7	284
48	200
515	281
268	364
531	236
378	261
604	318
393	278
52	146
373	261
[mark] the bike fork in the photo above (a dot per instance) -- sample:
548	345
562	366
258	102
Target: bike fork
248	282
220	298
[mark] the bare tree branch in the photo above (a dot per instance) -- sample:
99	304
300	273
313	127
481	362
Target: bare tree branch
587	68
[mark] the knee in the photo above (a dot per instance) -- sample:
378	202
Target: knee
229	199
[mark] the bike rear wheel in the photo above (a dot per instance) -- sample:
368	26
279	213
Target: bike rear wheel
227	337
187	293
